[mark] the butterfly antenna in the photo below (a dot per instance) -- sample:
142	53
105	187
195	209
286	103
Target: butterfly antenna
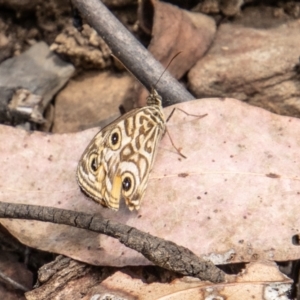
125	67
166	68
153	87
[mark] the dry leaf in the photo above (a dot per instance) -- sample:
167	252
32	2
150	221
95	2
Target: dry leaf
232	200
175	30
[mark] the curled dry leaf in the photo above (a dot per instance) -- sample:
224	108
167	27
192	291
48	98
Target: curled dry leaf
175	30
236	201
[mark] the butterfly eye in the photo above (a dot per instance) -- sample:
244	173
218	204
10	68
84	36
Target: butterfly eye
115	139
128	184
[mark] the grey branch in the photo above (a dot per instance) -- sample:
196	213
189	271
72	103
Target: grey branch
131	52
165	254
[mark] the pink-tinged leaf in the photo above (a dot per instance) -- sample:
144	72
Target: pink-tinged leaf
235	198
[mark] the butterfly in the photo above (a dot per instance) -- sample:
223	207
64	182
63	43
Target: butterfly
117	162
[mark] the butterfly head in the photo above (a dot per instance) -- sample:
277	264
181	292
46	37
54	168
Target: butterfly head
154	98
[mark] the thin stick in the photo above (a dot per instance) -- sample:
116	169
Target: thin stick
13	283
131	52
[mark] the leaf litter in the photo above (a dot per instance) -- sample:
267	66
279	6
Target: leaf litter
226	207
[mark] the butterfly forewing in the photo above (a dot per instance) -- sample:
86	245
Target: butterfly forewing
117	162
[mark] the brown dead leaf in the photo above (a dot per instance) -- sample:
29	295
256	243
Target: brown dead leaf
226	208
175	30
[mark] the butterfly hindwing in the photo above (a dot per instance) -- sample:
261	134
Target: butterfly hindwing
117	162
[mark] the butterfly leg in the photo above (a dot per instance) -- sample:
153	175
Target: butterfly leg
176	148
169	117
188	114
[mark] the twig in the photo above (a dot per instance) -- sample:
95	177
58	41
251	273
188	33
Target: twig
13	283
165	254
131	52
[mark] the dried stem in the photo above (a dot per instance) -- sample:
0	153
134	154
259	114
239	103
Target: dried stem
165	254
131	52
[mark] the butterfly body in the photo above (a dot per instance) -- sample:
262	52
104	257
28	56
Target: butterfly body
117	162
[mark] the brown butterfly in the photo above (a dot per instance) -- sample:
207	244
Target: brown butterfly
117	162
